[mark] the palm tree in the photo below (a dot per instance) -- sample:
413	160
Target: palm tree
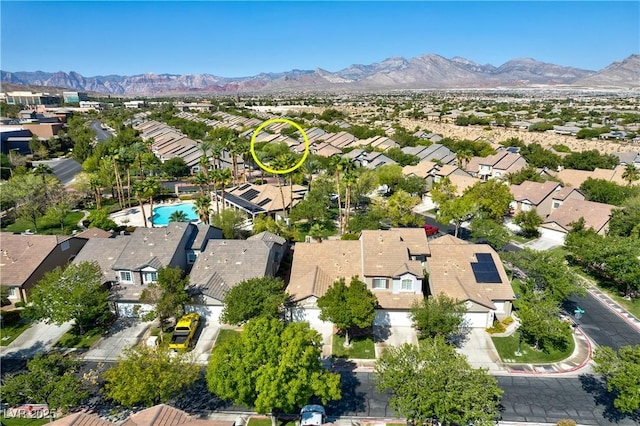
631	173
43	170
463	157
350	179
202	207
243	148
178	216
201	180
127	159
95	184
282	162
115	159
341	164
148	188
309	168
224	179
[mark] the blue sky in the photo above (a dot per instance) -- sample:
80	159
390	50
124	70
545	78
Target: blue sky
234	39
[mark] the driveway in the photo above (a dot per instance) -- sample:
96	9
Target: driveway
38	338
206	336
480	351
124	332
541	244
393	336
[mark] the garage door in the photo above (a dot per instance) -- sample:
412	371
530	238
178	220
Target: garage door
553	235
392	318
477	319
211	313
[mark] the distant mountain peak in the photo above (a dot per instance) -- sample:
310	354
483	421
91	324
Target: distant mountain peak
429	71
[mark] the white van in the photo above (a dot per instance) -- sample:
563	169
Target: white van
312	415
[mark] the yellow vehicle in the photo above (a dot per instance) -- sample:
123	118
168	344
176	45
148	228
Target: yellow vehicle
184	331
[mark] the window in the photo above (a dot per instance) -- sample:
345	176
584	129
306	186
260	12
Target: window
125	276
556	204
379	283
191	258
406	284
149	277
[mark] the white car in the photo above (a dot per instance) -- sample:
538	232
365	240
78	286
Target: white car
312	415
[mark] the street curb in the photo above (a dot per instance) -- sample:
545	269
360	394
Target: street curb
570	370
603	298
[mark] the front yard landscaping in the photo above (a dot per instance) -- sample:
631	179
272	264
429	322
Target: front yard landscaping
46	226
12	326
15	421
361	347
507	347
226	334
71	339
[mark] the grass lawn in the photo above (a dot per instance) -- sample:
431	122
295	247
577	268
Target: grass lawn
260	421
163	341
8	333
361	347
225	334
522	239
507	346
23	422
45	226
81	341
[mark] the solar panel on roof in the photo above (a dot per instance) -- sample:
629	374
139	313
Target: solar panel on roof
245	186
264	202
485	270
250	194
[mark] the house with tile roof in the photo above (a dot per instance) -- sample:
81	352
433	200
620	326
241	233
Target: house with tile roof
542	197
474	274
24	259
389	262
558	224
226	263
495	166
263	199
575	178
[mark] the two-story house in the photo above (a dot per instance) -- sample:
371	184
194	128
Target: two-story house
226	263
130	263
543	197
495	166
389	262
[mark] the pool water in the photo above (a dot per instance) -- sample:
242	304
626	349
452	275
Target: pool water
161	214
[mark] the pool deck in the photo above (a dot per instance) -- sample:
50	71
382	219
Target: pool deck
131	216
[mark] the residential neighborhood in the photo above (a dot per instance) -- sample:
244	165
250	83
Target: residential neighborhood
510	258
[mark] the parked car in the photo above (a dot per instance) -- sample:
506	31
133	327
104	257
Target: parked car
184	331
430	229
312	415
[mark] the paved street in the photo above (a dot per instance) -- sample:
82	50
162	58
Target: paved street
601	324
101	134
65	169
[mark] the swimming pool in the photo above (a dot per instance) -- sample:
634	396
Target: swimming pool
161	214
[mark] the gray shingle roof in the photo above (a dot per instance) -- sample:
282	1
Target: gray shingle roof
226	263
151	246
105	251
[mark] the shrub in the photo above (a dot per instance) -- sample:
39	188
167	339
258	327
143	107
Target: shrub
10	317
496	328
566	422
350	236
20	304
507	320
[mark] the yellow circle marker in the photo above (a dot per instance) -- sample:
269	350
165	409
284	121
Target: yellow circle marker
267	168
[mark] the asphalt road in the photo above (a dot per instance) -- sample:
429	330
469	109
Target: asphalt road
101	134
65	169
601	324
525	399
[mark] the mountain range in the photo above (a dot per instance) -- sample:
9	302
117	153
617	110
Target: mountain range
421	72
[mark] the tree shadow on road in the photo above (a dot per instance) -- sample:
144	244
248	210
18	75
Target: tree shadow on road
353	399
598	388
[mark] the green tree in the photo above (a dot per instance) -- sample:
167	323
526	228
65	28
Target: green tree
456	210
175	167
30	196
230	221
625	222
169	294
149	376
273	367
178	216
348	307
202	207
433	381
255	297
590	160
527	174
621	372
540	321
492	199
100	219
631	173
604	191
72	294
438	315
400	209
389	175
547	272
59	212
50	379
496	235
529	221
